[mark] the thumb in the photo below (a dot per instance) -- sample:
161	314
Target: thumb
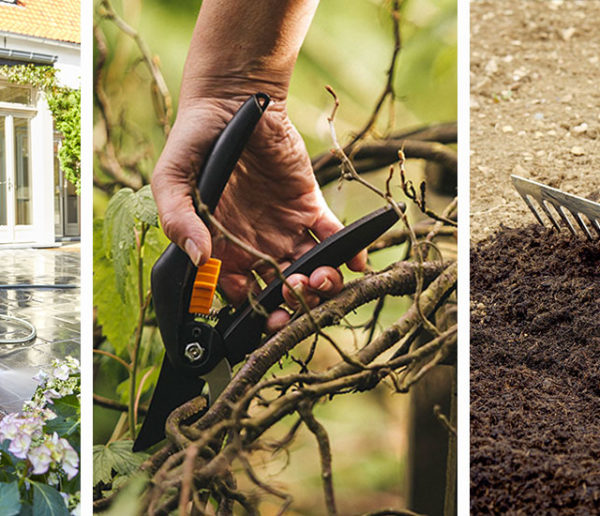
173	195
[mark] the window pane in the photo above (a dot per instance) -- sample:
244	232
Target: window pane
13	93
23	172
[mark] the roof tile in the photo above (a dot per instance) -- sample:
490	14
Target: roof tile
49	19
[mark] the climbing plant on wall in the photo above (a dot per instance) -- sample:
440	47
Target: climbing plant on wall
64	103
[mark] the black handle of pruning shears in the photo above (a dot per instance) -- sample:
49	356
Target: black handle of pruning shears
173	274
241	334
236	333
173	279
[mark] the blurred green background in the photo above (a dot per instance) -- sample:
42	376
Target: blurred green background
349	47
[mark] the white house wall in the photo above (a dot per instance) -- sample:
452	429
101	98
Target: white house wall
41	135
69	58
42	160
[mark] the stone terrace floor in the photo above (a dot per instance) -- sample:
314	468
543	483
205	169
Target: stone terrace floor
54	313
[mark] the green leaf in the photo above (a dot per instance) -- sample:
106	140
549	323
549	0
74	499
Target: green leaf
144	206
117	316
62	426
119	234
67	406
65	427
116	456
9	499
47	501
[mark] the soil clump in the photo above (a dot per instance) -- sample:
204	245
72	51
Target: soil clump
535	376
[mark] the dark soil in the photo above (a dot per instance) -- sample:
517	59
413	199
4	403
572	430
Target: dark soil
535	375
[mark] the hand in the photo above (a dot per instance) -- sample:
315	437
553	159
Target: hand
271	201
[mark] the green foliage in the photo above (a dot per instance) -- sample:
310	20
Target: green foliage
127	212
126	245
117	314
47	501
67	422
115	459
39	463
65	105
128	498
9	498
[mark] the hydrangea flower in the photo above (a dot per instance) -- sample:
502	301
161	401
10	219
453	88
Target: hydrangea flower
40	458
70	462
49	455
19	446
9	427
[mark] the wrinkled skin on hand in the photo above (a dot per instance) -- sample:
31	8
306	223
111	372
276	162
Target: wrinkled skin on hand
271	201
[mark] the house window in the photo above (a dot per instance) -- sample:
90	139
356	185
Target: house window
14	94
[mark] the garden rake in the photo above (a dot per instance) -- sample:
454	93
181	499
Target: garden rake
547	196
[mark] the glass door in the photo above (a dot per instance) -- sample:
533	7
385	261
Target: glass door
7	224
16	206
66	200
3	178
23	204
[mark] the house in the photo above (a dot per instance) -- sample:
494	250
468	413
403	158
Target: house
38	207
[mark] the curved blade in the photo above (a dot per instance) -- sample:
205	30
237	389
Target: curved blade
172	390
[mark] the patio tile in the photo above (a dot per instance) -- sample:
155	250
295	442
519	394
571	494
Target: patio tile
54	313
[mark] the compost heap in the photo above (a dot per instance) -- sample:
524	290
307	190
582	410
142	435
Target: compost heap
535	373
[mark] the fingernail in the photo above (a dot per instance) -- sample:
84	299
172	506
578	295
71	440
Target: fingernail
325	286
192	250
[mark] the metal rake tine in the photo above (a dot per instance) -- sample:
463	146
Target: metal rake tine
596	225
549	215
577	206
566	220
582	225
532	208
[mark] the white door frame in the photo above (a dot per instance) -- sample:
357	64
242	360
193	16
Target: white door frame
11	232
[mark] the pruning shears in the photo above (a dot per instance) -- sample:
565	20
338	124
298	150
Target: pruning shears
198	353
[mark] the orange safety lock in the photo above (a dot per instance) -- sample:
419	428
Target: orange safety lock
205	285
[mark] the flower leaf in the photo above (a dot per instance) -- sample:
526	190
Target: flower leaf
47	501
67	406
9	499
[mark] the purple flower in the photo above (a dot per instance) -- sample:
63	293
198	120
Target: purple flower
40	458
19	446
